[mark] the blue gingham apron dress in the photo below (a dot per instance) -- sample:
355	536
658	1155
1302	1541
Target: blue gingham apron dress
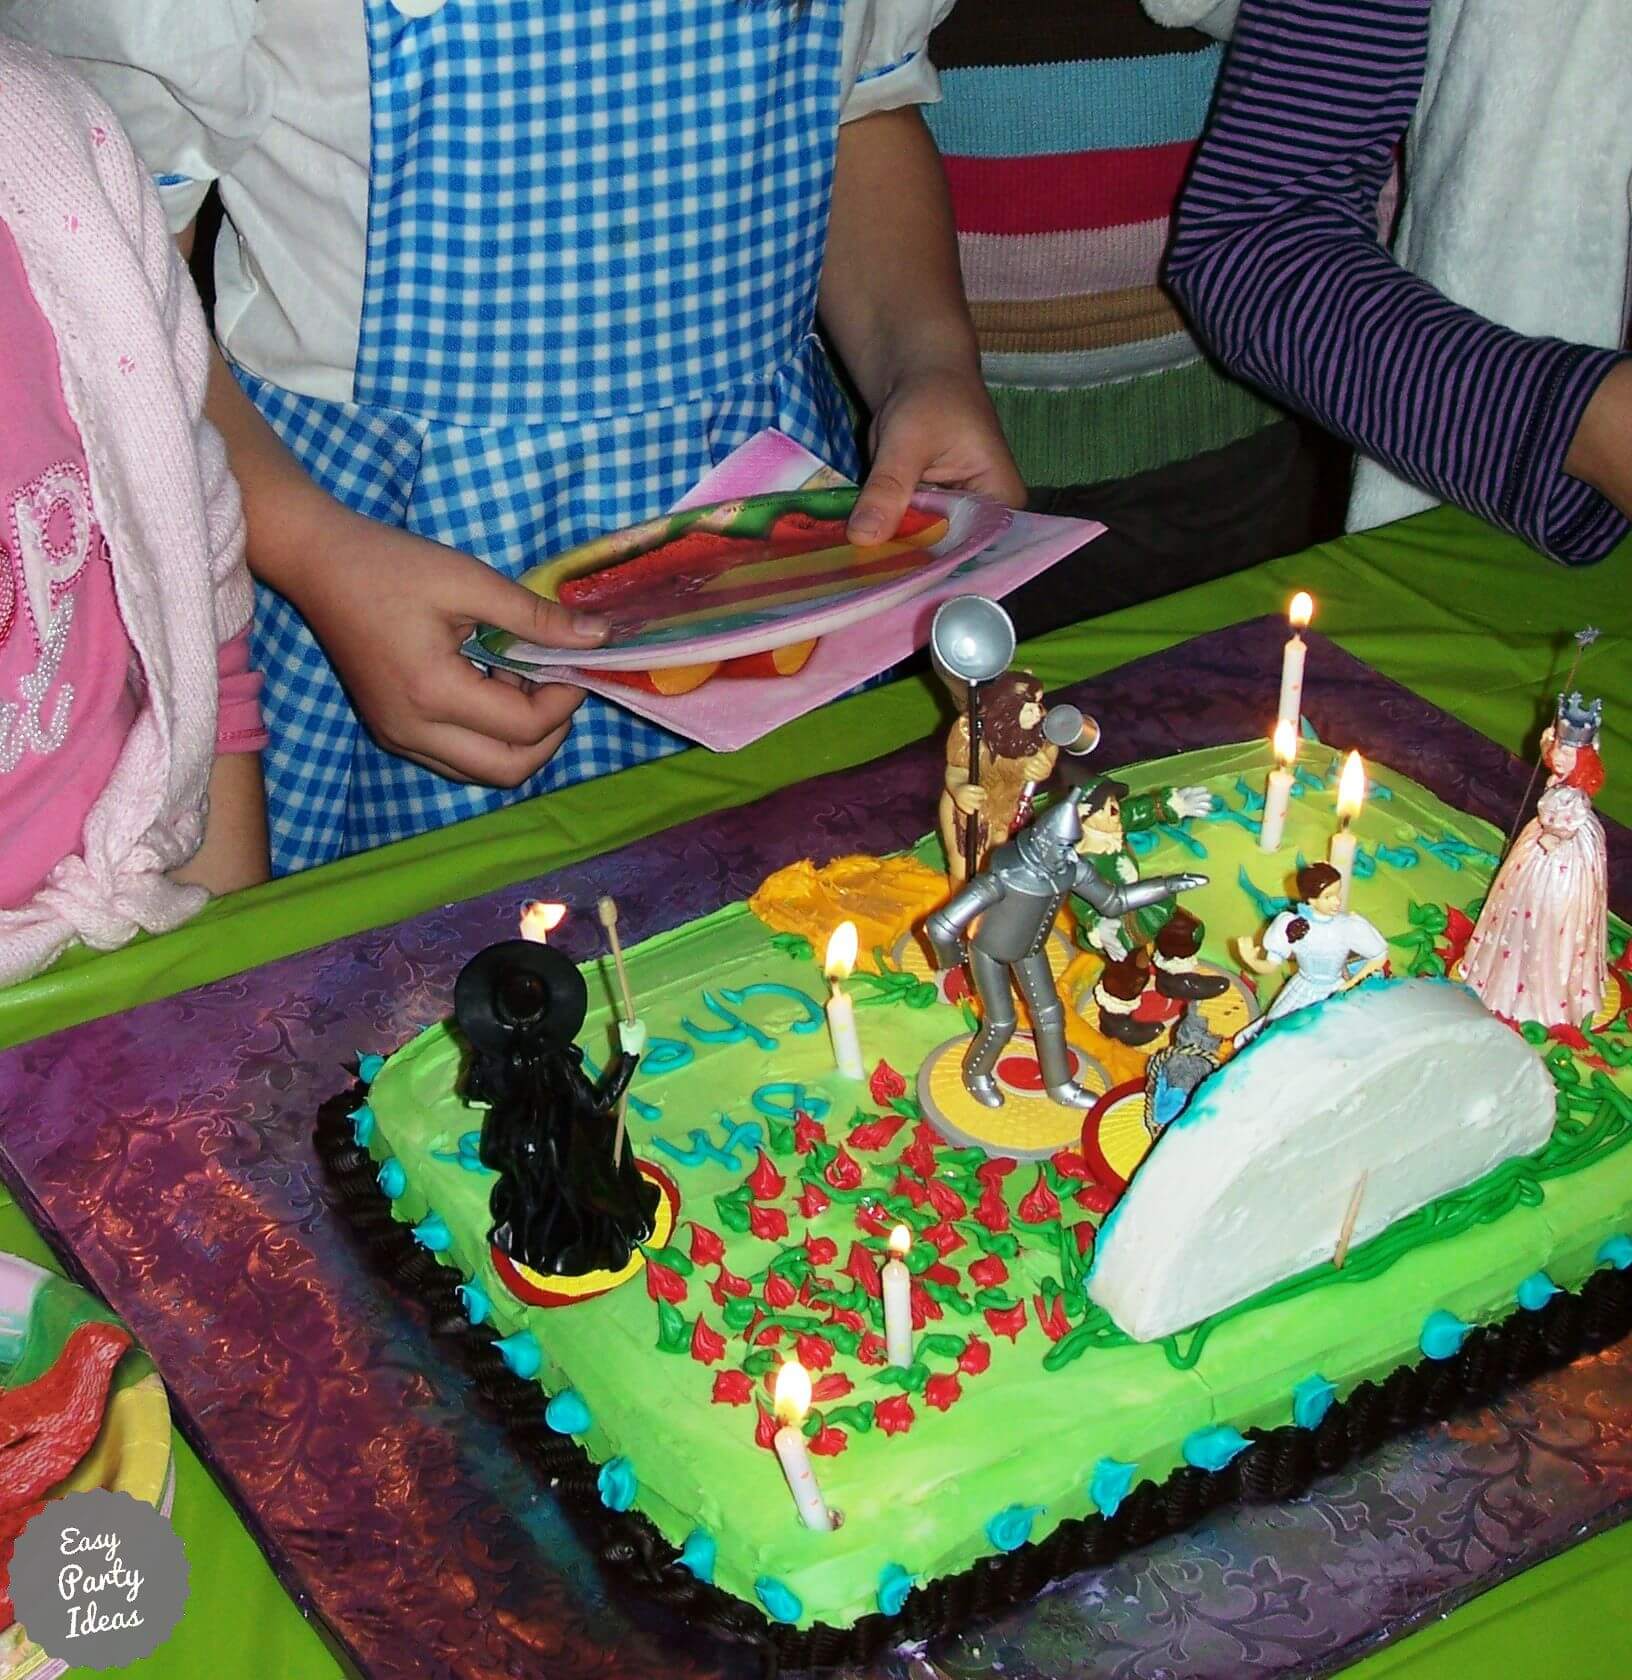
594	239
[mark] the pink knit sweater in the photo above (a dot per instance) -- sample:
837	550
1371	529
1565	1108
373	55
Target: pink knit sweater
133	356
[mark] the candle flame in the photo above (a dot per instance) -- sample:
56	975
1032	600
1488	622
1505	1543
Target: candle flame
841	951
900	1241
539	920
1301	610
792	1397
1351	788
1286	743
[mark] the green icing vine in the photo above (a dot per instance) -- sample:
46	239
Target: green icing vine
891	985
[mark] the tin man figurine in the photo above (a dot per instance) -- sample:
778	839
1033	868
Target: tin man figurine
1016	898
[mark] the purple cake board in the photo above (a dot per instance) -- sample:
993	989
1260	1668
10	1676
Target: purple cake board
167	1156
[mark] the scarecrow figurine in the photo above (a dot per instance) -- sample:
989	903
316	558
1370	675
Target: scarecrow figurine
564	1204
1156	945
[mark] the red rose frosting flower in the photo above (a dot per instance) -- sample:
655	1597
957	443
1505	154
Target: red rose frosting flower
886	1083
944	1238
733	1388
992	1173
920	1156
874	1134
706	1345
943	1391
662	1284
765	1181
843	1171
771	1223
895	1415
830	1386
765	1429
988	1271
945	1200
813	1352
727	1284
976	1356
813	1199
863	1267
820	1251
1039	1205
1069	1164
828	1442
1051	1317
807	1133
848	1320
992	1211
707	1248
1085	1234
1096	1197
1007	1321
872	1350
778	1292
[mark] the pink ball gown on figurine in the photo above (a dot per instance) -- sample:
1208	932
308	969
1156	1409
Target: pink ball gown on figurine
1538	951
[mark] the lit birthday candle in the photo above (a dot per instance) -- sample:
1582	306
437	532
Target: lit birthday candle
792	1401
897	1282
1351	794
1298	615
1278	789
539	920
841	1011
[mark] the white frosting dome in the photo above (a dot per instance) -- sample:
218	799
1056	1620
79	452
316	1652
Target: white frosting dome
1409	1081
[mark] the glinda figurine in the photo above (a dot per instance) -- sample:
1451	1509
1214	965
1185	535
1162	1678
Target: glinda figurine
1538	952
562	1205
1322	938
1016	898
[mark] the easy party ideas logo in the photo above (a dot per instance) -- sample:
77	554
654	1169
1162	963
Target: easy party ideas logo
98	1580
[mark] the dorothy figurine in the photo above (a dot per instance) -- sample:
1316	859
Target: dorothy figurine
1538	951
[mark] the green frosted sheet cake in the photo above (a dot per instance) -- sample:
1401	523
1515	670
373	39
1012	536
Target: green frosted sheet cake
1024	1406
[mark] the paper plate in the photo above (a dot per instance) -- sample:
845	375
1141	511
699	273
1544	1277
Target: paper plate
131	1452
744	576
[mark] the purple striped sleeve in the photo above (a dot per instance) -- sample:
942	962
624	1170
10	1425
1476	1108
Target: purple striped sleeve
1277	260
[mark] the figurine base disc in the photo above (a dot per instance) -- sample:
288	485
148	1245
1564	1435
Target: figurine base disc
542	1289
1030	1126
1114	1138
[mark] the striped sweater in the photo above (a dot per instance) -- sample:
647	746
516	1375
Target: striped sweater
1067	127
1278	261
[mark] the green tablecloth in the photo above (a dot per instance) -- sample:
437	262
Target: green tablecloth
1474	621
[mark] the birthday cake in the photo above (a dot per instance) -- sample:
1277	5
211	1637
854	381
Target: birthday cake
1217	1258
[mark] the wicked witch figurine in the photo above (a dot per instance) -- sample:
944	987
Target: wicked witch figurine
1538	951
563	1205
1011	906
1155	942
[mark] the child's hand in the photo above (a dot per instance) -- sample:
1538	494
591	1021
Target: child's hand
1601	452
935	427
392	609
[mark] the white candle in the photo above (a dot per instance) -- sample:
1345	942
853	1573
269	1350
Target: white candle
1278	789
792	1401
841	1010
898	1300
1351	794
1299	614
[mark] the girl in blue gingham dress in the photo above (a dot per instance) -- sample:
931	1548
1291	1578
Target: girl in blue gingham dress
502	275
